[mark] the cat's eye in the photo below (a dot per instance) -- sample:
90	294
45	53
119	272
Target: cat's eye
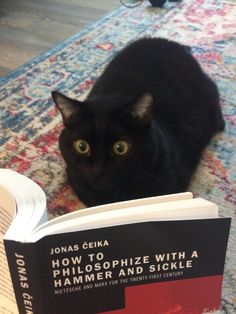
121	148
82	147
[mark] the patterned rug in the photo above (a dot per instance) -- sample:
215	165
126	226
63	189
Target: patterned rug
30	125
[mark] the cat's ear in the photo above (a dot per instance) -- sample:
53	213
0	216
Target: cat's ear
66	105
142	108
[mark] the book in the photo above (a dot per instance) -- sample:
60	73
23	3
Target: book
161	254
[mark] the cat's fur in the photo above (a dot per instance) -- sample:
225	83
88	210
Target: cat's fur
155	96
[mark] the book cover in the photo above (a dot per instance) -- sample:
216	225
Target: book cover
149	267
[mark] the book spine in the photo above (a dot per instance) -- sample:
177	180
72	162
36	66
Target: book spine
24	268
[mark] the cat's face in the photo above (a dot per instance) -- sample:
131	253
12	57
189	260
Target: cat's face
106	140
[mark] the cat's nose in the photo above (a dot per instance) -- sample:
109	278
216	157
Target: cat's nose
97	172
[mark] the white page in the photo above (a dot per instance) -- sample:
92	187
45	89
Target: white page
177	210
7	213
30	200
118	205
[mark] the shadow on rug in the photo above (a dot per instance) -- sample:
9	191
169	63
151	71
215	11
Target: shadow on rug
30	124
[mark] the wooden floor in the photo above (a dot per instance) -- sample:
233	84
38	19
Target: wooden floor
31	27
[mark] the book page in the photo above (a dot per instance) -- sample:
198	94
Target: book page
30	200
7	213
188	209
118	205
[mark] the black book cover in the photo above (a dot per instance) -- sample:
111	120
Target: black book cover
150	267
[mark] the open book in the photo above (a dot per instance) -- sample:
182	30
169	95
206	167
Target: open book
100	259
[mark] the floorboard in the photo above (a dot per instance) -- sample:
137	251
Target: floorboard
31	27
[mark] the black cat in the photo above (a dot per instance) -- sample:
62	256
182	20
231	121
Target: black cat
143	126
